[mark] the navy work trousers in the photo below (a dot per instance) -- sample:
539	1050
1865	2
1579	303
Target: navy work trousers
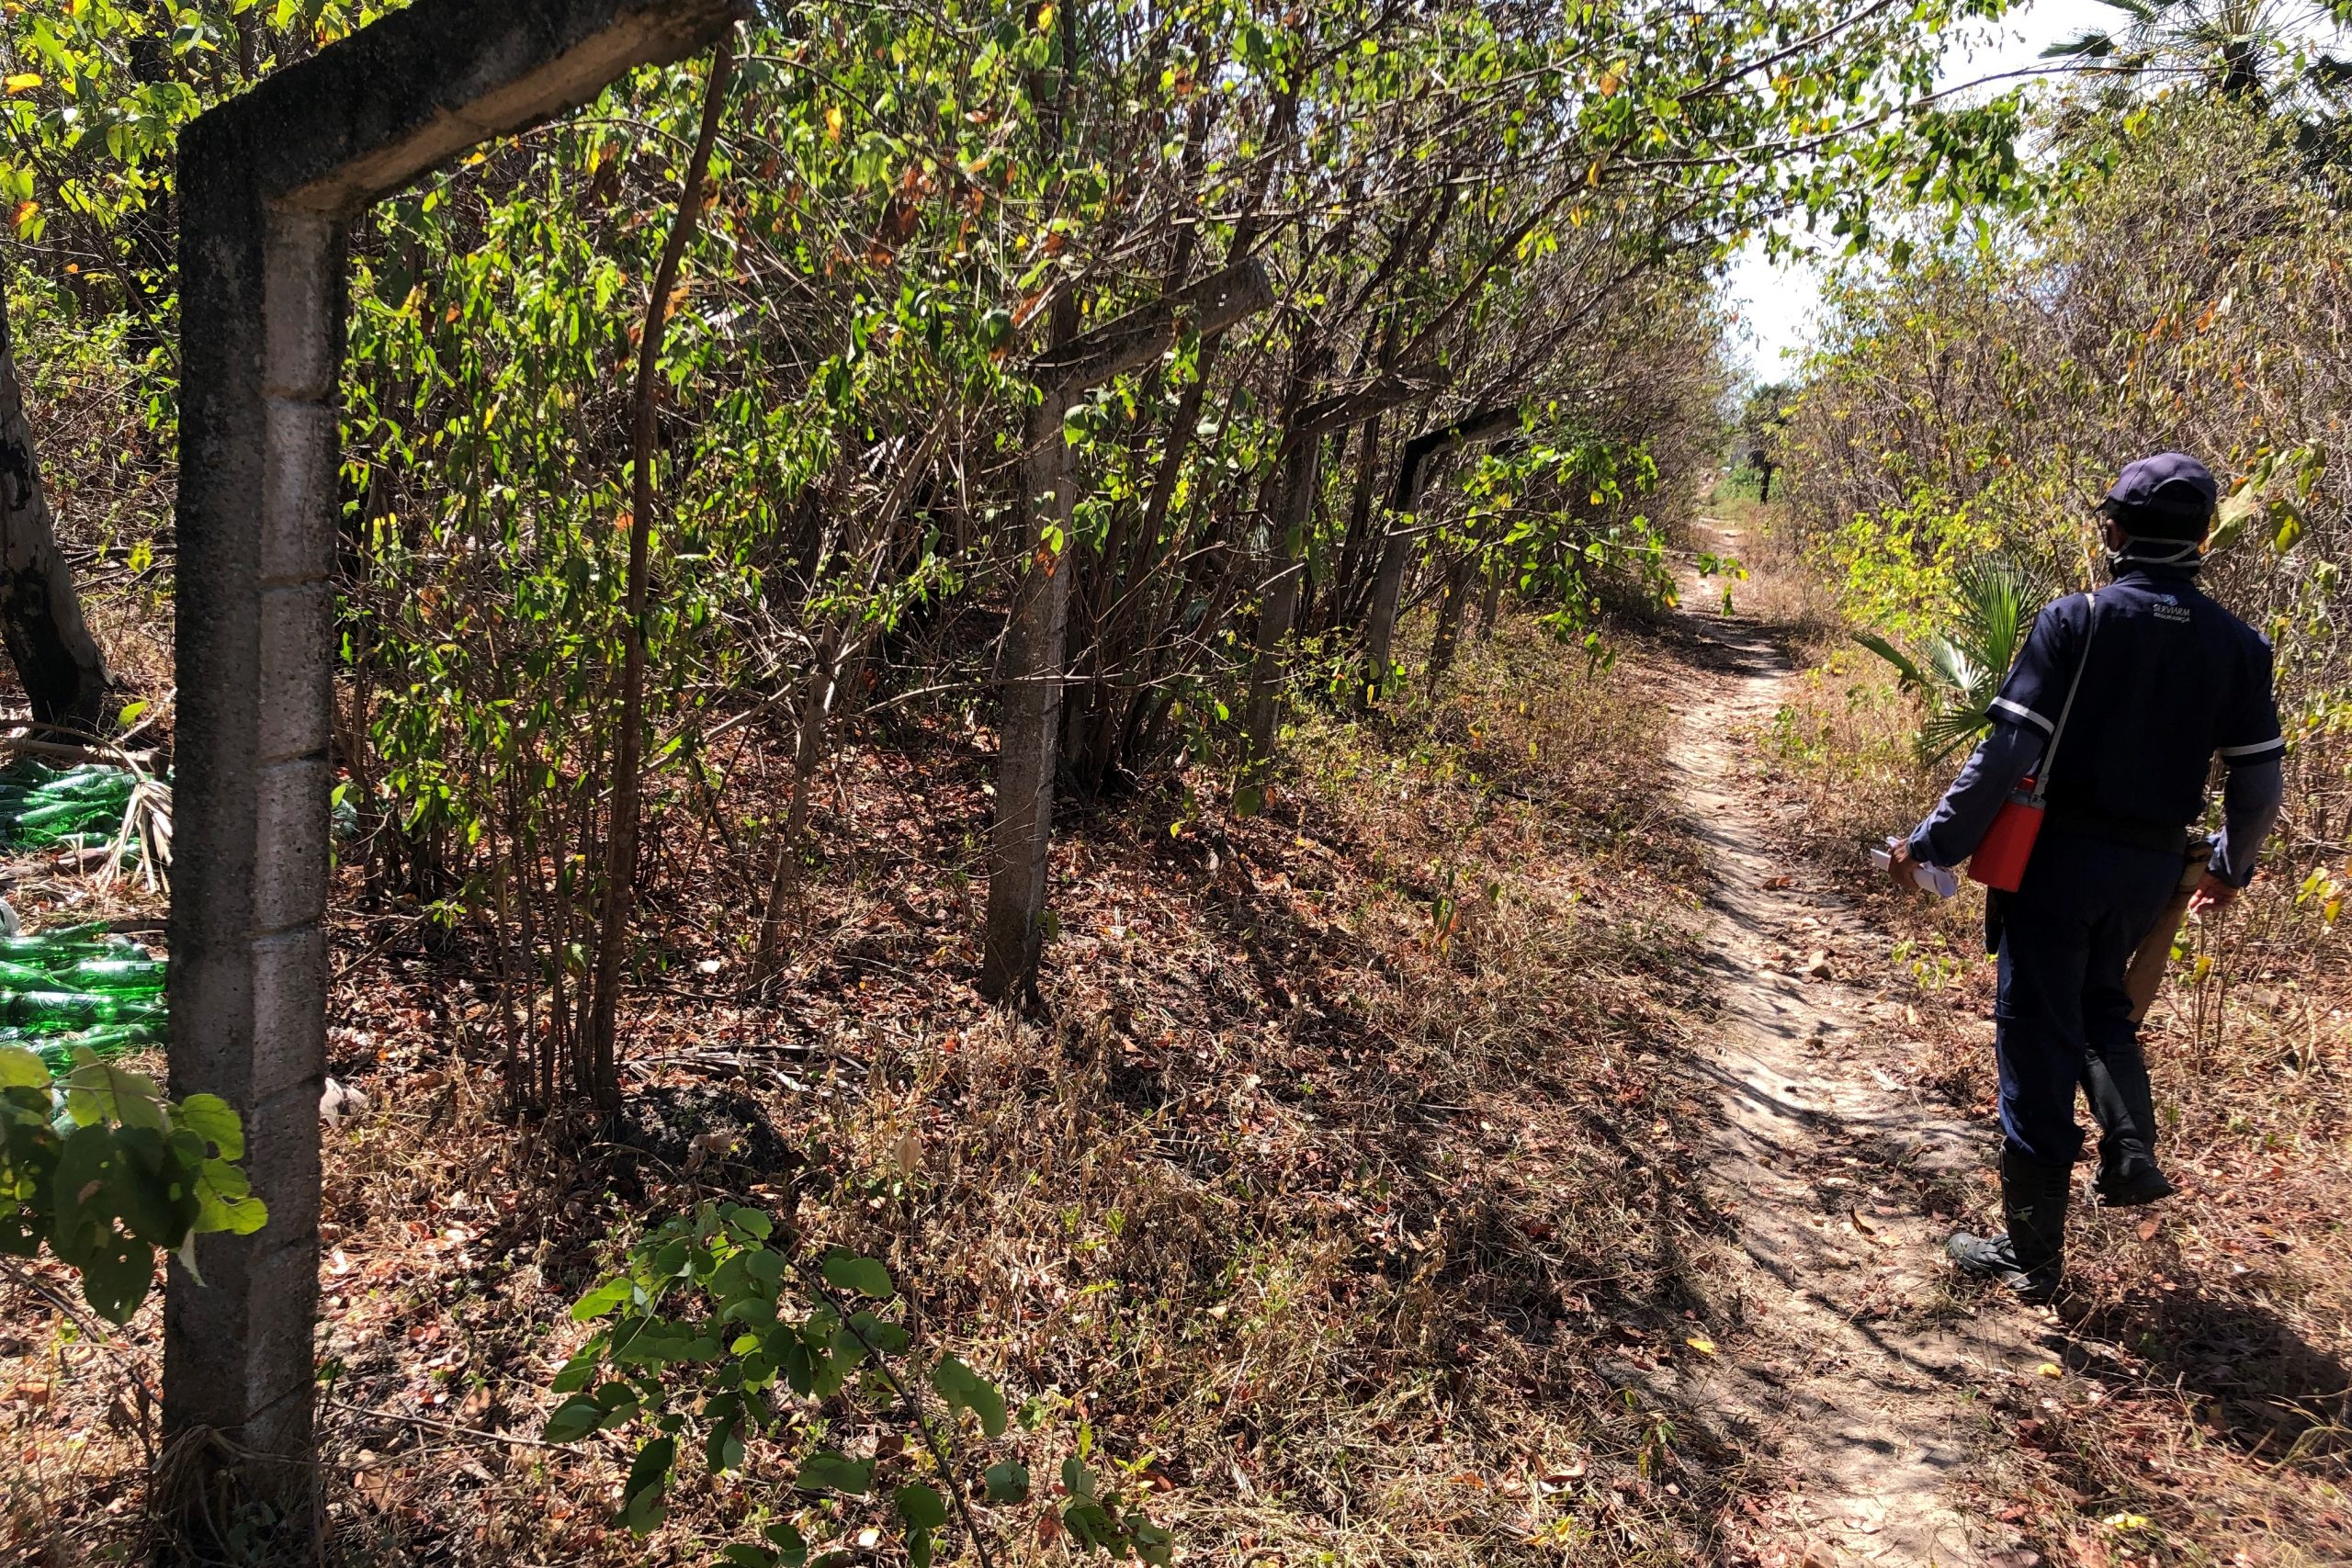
2067	936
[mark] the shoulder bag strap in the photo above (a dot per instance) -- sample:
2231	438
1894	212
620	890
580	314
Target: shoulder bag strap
2050	752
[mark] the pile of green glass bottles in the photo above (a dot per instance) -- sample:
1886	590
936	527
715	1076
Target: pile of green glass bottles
79	986
80	807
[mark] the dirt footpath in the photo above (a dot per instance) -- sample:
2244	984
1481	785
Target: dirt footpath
1859	1374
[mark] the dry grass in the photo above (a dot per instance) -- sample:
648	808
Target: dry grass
1782	589
2214	1333
1336	1160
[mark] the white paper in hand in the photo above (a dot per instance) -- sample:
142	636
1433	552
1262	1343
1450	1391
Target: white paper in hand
1935	879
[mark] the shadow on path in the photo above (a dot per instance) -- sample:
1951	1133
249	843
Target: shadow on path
1848	1373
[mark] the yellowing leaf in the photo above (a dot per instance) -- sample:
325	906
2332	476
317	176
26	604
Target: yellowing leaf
2049	1369
22	81
1705	1347
2126	1521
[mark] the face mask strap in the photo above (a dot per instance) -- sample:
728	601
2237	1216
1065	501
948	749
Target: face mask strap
2189	554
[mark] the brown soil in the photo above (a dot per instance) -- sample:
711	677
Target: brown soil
1857	1372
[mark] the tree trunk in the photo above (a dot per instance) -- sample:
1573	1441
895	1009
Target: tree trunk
1449	622
1029	730
1302	472
807	752
629	740
58	660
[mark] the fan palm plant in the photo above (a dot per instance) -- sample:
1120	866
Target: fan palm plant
2263	50
1959	672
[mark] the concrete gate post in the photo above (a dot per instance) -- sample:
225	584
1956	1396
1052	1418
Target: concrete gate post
270	184
248	991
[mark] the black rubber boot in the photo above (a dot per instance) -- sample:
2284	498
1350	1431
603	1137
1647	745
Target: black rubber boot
2028	1259
2128	1177
2115	1081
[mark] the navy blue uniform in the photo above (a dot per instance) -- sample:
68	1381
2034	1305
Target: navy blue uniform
2172	679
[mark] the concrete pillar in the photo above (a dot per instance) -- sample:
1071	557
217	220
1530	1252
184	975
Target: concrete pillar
1029	728
1294	520
268	185
262	304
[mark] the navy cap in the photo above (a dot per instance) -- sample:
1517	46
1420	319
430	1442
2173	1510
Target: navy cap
2168	496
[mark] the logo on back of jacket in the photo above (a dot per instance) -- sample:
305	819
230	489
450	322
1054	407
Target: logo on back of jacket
2169	608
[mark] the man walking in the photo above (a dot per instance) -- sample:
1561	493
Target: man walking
2150	679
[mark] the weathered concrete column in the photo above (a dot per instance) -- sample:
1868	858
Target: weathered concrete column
1030	724
1294	515
262	331
1029	730
268	185
1396	548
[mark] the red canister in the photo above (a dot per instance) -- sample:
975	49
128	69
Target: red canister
2000	857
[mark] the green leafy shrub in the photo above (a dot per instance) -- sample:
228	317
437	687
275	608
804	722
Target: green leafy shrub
106	1172
719	1331
1979	398
1961	668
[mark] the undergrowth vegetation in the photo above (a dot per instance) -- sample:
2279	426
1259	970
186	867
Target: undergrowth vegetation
2187	290
1005	783
1295	1216
1091	472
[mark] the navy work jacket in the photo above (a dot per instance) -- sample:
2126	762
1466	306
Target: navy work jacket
2172	679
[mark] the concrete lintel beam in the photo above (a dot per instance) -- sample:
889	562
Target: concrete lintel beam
1213	304
365	117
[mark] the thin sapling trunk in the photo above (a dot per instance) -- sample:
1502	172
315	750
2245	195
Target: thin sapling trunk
629	742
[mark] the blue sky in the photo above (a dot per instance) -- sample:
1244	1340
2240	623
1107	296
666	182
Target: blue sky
1776	303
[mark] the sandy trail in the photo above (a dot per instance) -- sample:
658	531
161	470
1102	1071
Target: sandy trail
1858	1376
